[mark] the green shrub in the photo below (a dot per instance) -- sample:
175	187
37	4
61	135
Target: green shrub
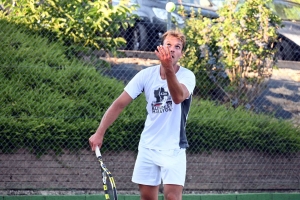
50	102
239	42
216	127
89	23
54	103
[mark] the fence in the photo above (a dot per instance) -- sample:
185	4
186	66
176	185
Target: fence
53	96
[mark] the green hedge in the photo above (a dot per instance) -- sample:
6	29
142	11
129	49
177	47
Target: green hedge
51	102
229	129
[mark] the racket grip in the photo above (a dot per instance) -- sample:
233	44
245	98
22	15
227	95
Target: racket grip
97	151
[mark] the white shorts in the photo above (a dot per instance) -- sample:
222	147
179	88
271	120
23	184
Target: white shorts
152	166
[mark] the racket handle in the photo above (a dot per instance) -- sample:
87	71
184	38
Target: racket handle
97	151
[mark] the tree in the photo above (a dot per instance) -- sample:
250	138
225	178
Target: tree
92	23
239	45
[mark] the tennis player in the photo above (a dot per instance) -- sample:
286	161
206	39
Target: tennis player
168	89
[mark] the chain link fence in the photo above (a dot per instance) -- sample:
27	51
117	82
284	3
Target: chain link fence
53	97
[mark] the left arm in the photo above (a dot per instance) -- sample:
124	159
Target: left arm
178	91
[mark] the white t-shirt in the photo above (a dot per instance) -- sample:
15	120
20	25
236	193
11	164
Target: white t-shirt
165	123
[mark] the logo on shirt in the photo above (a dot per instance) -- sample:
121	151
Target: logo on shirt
163	101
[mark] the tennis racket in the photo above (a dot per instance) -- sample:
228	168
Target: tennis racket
109	186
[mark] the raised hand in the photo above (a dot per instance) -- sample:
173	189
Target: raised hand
164	55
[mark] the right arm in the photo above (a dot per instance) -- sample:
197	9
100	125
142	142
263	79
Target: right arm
109	117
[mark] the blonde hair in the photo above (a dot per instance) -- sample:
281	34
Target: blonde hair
177	34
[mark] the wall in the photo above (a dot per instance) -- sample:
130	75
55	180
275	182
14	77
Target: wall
266	196
218	171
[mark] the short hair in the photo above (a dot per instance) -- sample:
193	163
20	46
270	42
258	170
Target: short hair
177	34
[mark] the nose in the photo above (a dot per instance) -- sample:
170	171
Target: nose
171	48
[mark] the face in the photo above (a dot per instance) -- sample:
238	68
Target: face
175	47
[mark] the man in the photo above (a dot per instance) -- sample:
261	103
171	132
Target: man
168	89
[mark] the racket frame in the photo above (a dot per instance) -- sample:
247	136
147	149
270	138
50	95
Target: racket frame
106	176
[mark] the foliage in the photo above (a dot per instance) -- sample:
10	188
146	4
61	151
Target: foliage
295	1
92	23
51	103
240	42
287	11
217	127
56	104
